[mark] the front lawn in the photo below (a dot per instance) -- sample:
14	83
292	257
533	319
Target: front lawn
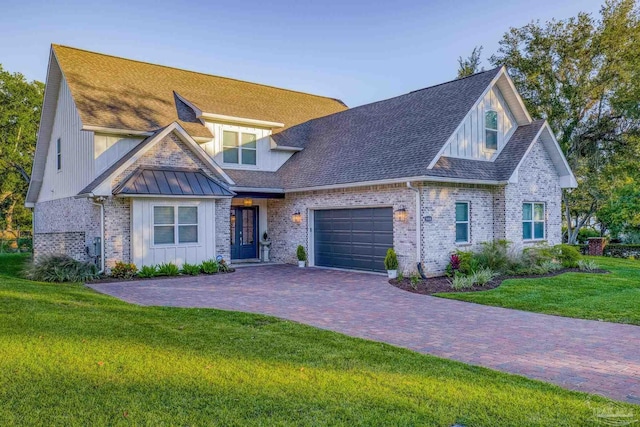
71	356
613	297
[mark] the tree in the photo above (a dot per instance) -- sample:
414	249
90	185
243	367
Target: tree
583	76
471	64
20	106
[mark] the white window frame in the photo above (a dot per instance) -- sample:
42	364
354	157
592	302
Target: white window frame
176	226
496	130
533	222
240	147
59	154
467	222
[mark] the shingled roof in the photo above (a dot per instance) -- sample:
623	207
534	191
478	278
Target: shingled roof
121	93
394	138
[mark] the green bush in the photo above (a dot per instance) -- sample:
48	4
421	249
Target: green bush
210	267
191	269
461	282
587	265
467	262
168	269
301	253
61	268
148	271
622	251
391	260
123	270
483	276
567	255
494	255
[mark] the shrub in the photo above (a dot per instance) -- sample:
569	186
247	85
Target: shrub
415	279
551	266
461	282
494	255
210	267
191	269
168	269
61	268
391	260
587	265
301	253
468	262
567	255
483	276
148	271
124	270
622	251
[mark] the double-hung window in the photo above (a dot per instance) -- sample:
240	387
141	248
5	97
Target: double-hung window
462	222
173	224
533	215
238	147
491	130
59	154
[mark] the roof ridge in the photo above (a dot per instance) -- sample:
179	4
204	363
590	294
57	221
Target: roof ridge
53	45
458	79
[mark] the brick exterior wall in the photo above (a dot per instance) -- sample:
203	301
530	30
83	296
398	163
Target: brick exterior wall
223	228
537	182
58	225
286	236
70	243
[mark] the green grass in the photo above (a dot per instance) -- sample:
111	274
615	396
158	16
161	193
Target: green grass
71	356
613	297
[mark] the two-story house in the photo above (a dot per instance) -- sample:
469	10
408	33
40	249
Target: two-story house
147	164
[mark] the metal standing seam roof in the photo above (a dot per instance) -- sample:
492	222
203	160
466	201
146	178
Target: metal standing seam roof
171	182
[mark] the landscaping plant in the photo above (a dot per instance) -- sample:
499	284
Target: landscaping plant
460	282
483	276
168	269
587	265
301	253
124	270
148	271
191	269
61	268
210	266
391	260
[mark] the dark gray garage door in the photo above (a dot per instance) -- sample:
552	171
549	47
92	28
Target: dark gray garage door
353	238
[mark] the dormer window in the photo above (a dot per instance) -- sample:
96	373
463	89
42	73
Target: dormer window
239	148
491	130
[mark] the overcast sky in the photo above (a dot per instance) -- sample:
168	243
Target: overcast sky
353	50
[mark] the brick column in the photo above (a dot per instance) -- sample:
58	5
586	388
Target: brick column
596	246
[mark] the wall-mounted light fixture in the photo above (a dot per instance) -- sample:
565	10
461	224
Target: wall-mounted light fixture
247	202
400	214
296	217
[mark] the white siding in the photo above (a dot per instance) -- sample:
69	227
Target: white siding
77	152
144	252
108	149
266	159
468	141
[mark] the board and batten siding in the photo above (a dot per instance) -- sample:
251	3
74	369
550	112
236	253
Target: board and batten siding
77	152
266	158
468	141
144	252
108	149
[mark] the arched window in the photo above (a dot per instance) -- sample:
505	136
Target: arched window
491	130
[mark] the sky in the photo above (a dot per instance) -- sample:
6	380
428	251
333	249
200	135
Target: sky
355	51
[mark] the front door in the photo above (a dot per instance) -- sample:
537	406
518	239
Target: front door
244	232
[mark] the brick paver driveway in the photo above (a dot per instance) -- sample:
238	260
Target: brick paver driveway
577	354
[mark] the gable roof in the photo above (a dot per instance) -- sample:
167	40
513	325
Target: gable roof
390	139
120	93
130	157
157	181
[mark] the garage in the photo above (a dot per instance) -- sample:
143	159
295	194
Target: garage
352	238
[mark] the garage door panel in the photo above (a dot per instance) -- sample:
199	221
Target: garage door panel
353	238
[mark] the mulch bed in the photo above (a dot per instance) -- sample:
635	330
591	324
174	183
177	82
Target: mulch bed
109	279
442	284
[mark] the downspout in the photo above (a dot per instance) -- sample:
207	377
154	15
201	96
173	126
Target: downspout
99	201
418	229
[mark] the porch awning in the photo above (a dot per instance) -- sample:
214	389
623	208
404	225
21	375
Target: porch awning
171	182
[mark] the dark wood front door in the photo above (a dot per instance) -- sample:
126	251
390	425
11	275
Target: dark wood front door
244	232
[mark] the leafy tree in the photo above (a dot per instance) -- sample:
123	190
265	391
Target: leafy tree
583	75
20	106
471	64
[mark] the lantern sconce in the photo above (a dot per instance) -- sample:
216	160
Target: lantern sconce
247	202
400	214
296	217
